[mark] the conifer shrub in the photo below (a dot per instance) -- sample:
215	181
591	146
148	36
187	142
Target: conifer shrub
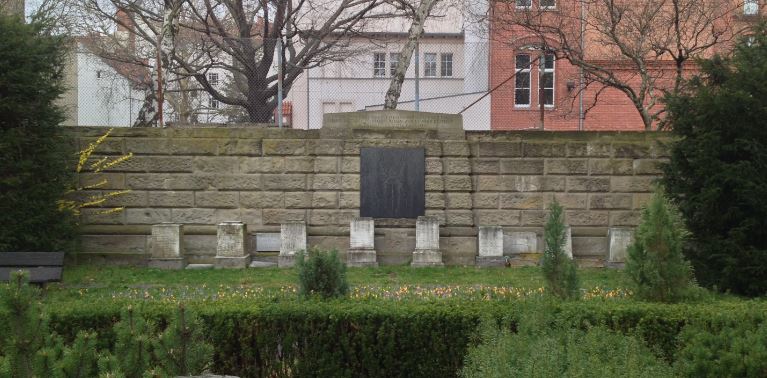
732	351
36	165
178	349
656	265
558	269
321	273
716	172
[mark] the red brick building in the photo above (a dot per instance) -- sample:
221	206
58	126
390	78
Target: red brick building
531	41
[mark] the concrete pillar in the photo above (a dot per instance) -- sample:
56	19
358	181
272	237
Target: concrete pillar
490	239
231	245
166	246
619	241
292	240
361	243
427	252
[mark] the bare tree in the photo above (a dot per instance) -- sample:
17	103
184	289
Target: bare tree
420	15
238	37
641	48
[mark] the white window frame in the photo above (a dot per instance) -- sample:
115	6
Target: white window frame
553	71
523	71
393	62
213	78
379	66
430	66
213	103
442	68
750	7
528	6
548	6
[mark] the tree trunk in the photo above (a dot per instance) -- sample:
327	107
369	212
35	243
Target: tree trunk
166	47
414	34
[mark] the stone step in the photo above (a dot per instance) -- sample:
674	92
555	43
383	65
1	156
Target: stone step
199	266
265	257
590	262
263	264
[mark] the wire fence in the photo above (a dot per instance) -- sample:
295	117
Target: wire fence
446	75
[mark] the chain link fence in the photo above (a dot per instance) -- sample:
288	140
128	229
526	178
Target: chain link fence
206	86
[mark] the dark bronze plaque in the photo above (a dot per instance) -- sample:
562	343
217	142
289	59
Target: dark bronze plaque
392	182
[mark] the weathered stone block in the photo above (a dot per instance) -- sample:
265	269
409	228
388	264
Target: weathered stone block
154	164
325	182
500	149
260	200
641	200
625	218
299	164
435	200
252	217
298	200
350	164
631	184
458	200
113	180
589	246
284	181
166	248
349	200
489	183
292	240
522	166
278	216
171	199
567	166
331	217
520	242
459	218
485	166
619	239
323	164
486	200
350	182
269	164
534	183
434	183
455	148
97	216
457	166
499	217
284	146
434	166
647	167
324	200
216	164
146	216
587	218
239	146
236	182
216	199
533	218
588	184
427	252
611	201
544	149
181	181
231	245
611	167
571	201
328	147
599	149
522	201
192	216
631	150
133	198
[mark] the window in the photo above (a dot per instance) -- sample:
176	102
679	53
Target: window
750	40
393	61
548	4
379	64
547	79
213	78
446	68
750	7
524	3
522	80
98	74
430	64
213	103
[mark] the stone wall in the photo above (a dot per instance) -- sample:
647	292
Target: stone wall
200	177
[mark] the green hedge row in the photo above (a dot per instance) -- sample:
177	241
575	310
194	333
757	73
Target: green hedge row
389	339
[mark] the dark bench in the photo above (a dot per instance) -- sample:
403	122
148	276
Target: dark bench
43	267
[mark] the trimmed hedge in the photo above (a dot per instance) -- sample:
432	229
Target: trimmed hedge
388	339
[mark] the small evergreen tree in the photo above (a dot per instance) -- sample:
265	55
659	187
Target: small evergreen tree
181	348
26	330
716	173
133	344
321	273
35	169
655	262
558	269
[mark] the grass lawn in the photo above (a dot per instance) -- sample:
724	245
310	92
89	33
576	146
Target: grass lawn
528	277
